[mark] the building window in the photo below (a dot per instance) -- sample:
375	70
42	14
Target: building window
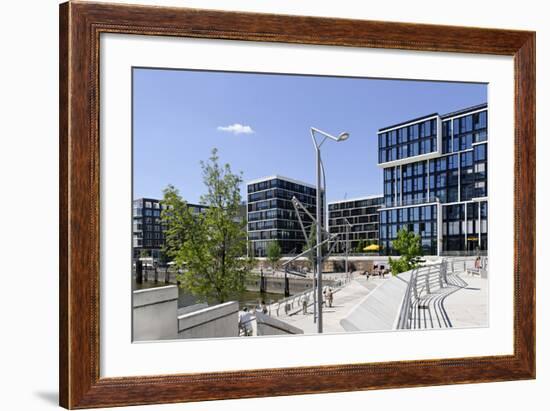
480	152
480	168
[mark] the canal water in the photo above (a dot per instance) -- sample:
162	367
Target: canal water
245	299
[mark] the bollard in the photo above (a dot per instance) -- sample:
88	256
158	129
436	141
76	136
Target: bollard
139	272
262	283
287	285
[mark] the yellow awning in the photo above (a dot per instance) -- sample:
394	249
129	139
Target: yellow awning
372	247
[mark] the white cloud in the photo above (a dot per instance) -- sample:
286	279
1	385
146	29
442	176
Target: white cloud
236	129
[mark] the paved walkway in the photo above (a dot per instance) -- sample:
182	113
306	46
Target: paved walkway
374	305
345	300
462	303
469	306
379	309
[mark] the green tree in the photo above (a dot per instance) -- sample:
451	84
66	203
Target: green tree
274	253
177	219
209	247
408	245
360	246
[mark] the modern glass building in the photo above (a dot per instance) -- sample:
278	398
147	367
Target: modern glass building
147	230
362	216
271	216
435	181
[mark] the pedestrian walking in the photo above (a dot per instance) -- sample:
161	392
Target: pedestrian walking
305	301
330	297
245	322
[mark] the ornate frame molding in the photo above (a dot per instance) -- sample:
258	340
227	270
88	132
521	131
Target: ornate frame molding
81	24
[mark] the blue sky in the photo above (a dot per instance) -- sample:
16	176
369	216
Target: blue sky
260	124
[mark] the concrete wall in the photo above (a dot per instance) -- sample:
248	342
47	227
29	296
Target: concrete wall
276	285
154	313
334	263
220	320
338	264
190	308
266	325
379	310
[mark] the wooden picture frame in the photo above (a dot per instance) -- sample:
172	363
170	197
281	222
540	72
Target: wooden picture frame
80	27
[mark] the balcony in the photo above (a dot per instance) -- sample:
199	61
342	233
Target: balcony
415	201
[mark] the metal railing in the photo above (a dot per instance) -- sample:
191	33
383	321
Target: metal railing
462	253
465	264
294	304
423	280
427	279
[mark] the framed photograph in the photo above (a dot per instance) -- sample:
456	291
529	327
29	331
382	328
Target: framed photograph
256	205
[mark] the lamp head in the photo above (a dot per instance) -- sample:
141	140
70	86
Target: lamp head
343	136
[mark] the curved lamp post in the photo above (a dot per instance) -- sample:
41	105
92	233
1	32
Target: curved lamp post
319	214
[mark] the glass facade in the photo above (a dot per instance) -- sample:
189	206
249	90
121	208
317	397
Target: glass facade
420	219
362	215
271	216
464	227
455	179
408	141
146	229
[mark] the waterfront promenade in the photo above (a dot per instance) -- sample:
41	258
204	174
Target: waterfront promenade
375	304
345	300
468	306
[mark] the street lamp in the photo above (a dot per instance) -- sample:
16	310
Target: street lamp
341	137
348	227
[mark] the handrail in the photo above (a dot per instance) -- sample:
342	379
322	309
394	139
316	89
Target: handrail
429	277
298	298
403	319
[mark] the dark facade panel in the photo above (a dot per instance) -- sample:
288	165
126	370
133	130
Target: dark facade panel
362	215
271	216
408	141
421	220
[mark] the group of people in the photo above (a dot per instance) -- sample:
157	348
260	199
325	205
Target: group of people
246	317
245	322
328	297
